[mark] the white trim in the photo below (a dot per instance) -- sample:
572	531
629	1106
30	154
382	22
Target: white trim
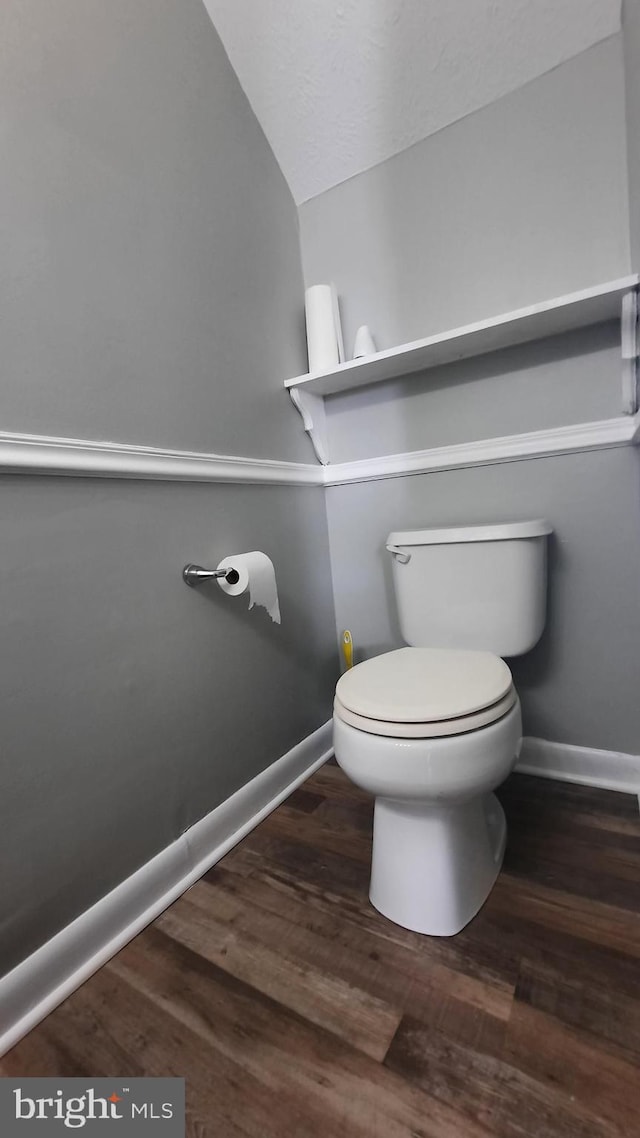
602	434
36	986
39	454
83	458
536	321
612	770
41	982
629	335
312	410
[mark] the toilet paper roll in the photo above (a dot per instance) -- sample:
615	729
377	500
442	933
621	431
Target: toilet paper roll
256	576
324	332
337	322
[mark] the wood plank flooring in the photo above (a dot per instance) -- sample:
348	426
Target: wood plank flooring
294	1010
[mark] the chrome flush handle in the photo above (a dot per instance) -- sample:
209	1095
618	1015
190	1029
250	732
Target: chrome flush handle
399	554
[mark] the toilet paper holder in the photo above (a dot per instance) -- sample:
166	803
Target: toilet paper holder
194	574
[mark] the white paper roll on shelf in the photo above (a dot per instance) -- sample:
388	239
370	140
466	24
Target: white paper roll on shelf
256	576
324	332
337	322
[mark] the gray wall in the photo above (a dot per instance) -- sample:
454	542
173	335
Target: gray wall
130	704
579	685
150	255
151	291
524	200
562	380
631	40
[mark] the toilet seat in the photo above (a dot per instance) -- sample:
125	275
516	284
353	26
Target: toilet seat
433	729
422	685
425	692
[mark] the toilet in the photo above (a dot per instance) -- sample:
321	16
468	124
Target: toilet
432	729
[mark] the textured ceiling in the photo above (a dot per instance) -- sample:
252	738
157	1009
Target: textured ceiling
339	85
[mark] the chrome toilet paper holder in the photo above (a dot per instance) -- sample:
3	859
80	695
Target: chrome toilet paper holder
193	575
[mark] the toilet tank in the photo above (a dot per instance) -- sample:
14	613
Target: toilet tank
475	587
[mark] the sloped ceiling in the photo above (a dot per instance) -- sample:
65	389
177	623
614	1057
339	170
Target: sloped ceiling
340	85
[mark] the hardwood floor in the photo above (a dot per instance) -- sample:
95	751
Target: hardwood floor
294	1010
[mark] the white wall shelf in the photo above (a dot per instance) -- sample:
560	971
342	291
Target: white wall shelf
548	318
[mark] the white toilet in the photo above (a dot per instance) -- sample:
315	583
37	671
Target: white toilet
431	730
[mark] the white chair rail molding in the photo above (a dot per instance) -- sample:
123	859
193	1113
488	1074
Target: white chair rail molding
88	458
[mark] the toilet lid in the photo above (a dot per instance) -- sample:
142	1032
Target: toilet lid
436	729
424	685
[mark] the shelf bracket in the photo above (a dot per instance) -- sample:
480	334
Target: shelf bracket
311	407
630	352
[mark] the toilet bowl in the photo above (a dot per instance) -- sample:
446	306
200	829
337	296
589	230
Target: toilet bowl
439	833
431	731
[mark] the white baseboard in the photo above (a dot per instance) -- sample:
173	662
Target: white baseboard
611	770
36	986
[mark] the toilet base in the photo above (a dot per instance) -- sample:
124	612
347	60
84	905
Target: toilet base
434	865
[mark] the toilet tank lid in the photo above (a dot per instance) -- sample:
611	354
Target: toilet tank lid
504	531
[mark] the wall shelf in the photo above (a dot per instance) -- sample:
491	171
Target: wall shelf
548	318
